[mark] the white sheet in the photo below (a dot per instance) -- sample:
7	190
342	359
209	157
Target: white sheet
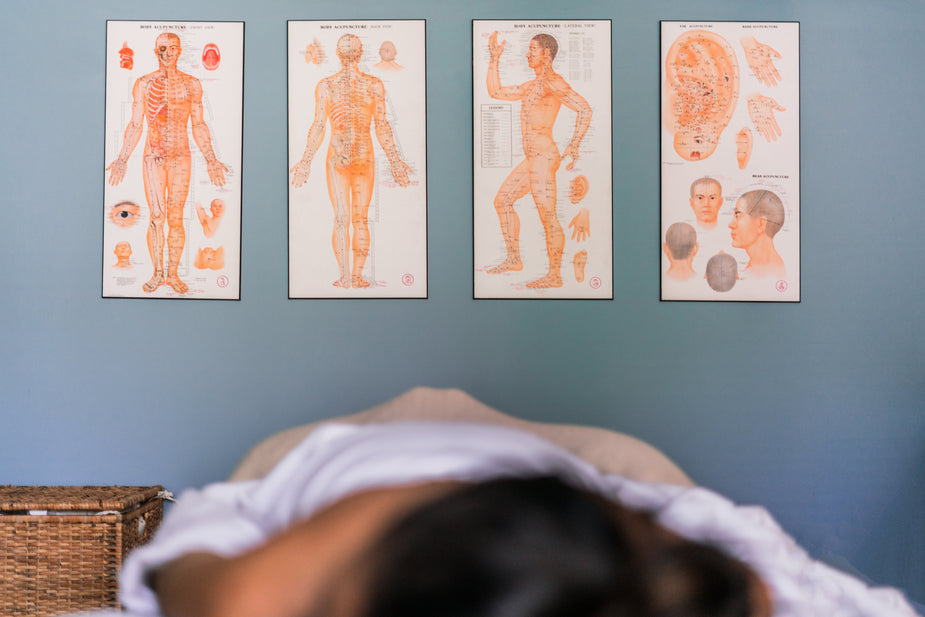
337	460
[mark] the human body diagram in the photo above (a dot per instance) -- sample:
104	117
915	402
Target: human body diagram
167	111
362	166
546	173
730	160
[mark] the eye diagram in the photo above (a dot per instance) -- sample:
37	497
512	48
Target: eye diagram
211	57
126	57
124	213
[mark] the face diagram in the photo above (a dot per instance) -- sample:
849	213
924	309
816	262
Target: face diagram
744	228
706	202
536	54
702	78
167	48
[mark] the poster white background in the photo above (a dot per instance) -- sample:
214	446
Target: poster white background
222	103
397	262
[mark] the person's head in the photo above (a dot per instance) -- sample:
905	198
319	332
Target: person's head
167	48
387	51
706	199
123	250
722	272
349	49
680	241
217	207
538	547
758	214
542	47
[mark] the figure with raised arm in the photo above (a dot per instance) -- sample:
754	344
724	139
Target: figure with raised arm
540	100
168	100
351	100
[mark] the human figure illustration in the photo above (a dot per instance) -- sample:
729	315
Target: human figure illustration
123	253
680	247
352	101
759	215
168	100
387	53
211	220
706	200
760	58
702	85
722	272
540	100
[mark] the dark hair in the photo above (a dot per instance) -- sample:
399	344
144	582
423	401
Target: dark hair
537	547
548	42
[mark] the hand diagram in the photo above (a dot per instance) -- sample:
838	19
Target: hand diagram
494	48
400	171
117	171
582	225
216	171
300	172
761	111
760	60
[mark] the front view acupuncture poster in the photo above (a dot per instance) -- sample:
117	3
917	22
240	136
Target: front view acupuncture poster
542	195
172	196
357	159
730	144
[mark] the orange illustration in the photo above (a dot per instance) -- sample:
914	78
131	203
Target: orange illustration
167	100
211	57
578	188
579	261
124	213
706	200
760	58
761	111
743	146
702	85
123	252
126	57
387	53
759	215
351	100
210	222
208	258
680	247
313	53
540	99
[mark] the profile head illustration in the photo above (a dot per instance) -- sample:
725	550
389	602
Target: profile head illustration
548	42
706	200
758	214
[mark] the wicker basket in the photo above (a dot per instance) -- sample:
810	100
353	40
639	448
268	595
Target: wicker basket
61	547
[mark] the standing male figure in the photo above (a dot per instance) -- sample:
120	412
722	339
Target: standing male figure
352	100
168	100
540	99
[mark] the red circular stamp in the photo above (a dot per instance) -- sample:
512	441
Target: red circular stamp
222	281
595	282
407	280
781	286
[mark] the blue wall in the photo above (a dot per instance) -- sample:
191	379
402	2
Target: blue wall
813	409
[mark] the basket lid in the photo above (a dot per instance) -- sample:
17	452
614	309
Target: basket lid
99	498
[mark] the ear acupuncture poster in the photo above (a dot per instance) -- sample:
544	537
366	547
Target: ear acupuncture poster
542	159
357	159
730	164
172	193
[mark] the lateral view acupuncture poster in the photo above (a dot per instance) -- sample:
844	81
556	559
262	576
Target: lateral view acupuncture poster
172	191
730	168
542	155
357	159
